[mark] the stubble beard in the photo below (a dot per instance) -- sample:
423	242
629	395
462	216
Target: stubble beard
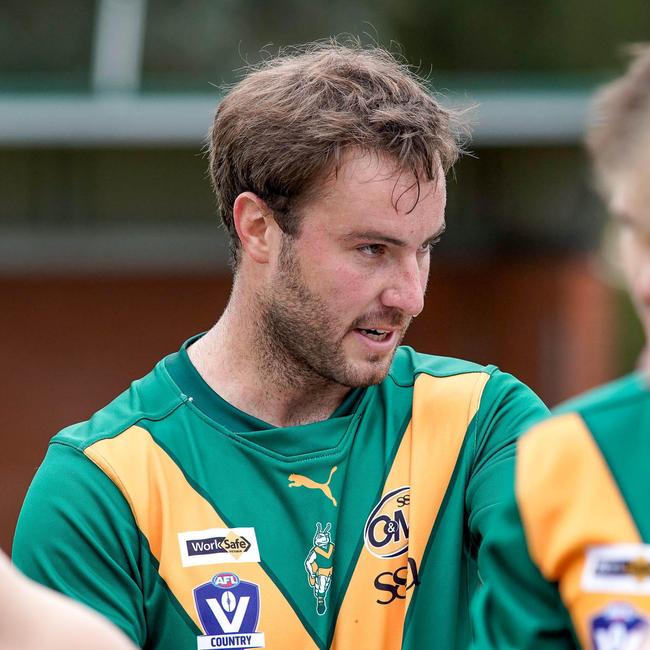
302	341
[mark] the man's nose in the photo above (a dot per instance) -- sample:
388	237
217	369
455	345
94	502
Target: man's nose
406	288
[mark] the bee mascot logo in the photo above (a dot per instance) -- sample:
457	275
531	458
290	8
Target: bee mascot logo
319	565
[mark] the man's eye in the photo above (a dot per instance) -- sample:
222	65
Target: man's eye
372	250
426	247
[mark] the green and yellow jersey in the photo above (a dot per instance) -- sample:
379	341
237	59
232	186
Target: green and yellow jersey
191	524
568	564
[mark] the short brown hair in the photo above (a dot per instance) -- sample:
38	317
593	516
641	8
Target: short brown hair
292	118
621	117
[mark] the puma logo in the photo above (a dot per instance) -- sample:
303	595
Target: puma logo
298	480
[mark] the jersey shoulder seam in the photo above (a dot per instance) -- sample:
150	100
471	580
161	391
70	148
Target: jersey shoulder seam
117	429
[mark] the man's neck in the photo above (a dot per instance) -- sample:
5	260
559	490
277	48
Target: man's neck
255	378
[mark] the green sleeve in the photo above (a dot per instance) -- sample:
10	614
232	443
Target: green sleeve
516	608
76	534
508	408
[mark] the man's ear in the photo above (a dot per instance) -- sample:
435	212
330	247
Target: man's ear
255	226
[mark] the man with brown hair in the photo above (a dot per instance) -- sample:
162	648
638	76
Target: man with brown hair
296	426
568	564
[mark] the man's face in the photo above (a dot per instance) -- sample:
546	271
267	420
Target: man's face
343	292
630	205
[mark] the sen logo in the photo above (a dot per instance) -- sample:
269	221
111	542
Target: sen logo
225	580
398	582
386	533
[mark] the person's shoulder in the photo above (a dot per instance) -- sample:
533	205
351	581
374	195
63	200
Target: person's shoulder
598	412
494	384
409	364
629	390
150	398
505	406
610	414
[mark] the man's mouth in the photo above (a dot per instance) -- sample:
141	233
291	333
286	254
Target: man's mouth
374	334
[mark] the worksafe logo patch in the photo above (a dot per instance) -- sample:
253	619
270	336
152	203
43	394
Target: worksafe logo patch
218	545
386	533
617	568
229	611
618	627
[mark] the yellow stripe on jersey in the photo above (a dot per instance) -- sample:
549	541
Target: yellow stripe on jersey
569	501
150	481
442	410
443	407
362	621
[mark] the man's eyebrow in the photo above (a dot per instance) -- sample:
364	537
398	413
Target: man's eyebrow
439	232
375	235
623	218
380	237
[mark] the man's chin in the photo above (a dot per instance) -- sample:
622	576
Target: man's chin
369	372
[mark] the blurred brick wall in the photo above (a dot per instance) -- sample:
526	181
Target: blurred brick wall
70	344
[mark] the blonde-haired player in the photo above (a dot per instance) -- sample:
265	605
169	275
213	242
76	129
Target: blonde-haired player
569	564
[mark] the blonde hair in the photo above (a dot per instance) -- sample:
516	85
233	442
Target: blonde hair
621	118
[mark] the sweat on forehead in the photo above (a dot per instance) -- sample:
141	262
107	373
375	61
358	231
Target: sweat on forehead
620	120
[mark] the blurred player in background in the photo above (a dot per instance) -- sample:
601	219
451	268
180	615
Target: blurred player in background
569	563
34	617
293	478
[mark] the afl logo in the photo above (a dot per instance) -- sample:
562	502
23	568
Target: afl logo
225	580
386	533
